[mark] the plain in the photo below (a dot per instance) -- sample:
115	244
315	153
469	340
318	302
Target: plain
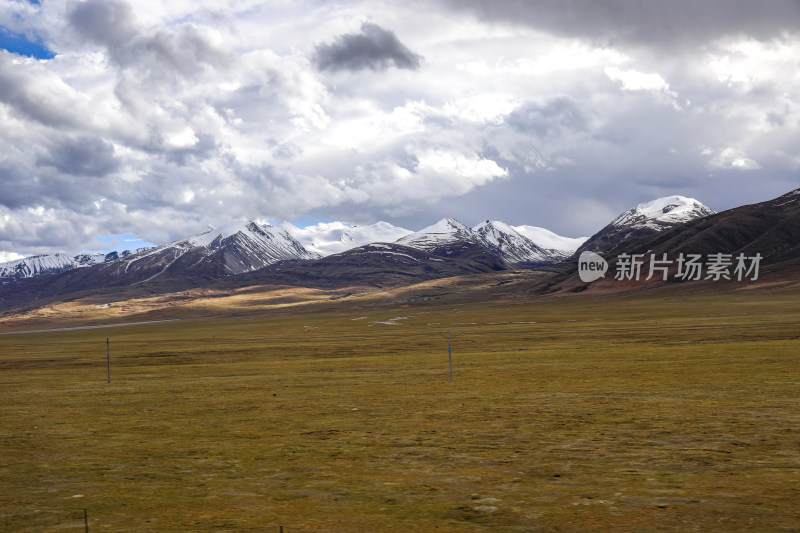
657	410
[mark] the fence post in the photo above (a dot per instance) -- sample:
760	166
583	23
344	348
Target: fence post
449	356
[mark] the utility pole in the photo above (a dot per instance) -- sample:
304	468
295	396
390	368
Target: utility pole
108	359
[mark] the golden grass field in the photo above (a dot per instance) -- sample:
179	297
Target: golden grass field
658	410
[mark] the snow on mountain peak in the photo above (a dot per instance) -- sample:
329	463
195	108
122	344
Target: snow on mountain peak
37	265
213	233
512	246
446	231
326	238
669	209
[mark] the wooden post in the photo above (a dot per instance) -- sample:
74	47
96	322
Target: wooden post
86	520
449	356
108	359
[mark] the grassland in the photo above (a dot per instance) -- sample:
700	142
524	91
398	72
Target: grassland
655	411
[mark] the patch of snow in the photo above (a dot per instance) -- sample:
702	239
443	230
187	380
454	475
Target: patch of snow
391	321
548	240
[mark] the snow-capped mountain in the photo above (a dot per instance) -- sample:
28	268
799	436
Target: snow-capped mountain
41	265
658	213
88	259
513	247
646	219
552	242
36	265
446	232
231	249
448	237
336	237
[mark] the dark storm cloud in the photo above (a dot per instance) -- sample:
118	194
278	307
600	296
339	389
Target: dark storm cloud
545	118
83	156
674	23
374	48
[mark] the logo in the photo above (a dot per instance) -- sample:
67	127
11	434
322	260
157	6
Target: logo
591	267
687	267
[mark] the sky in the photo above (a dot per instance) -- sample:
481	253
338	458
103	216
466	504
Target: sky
128	122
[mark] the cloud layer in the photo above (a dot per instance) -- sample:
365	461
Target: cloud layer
156	119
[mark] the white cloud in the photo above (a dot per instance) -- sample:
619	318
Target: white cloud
560	55
731	158
746	61
438	174
633	80
9	256
471	168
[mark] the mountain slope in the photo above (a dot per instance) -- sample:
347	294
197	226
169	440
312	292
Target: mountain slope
646	219
769	230
377	265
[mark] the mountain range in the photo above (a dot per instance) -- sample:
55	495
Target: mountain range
383	255
246	246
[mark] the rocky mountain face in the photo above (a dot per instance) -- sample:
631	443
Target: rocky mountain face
514	248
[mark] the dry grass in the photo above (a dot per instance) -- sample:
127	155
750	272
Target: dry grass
659	411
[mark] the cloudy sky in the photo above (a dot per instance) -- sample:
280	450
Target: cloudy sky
153	119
